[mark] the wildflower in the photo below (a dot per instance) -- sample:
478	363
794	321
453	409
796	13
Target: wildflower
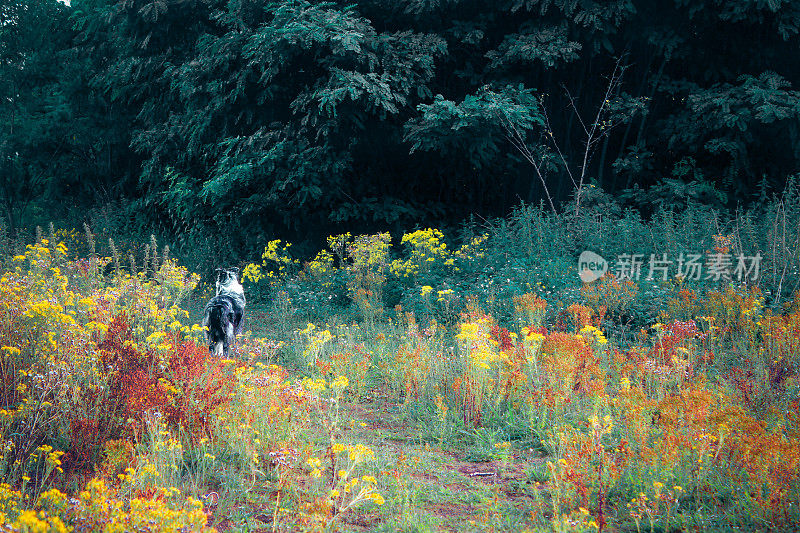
340	383
444	294
10	351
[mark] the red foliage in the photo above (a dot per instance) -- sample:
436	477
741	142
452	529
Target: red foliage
83	436
185	390
203	383
134	386
502	336
674	335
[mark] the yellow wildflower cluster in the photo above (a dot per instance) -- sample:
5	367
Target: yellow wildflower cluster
314	385
474	249
252	273
44	517
315	341
315	463
350	489
595	333
444	295
426	249
485	365
321	265
276	261
338	244
369	252
476	342
99	508
356	453
340	383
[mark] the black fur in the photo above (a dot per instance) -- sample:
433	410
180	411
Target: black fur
219	318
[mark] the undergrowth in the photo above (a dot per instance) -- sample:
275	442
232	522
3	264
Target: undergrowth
610	405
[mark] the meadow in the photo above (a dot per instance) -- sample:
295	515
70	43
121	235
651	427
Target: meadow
407	385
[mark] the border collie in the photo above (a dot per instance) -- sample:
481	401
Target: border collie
223	313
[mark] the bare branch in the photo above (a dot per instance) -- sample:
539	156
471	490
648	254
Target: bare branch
558	148
517	140
575	109
592	137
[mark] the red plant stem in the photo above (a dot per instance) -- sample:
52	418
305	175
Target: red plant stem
601	498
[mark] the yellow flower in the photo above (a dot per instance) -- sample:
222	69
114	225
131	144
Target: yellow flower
10	350
340	383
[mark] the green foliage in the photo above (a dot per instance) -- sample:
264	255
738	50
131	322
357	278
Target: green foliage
548	45
236	121
474	127
31	101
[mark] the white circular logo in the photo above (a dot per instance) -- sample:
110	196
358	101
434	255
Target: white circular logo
591	266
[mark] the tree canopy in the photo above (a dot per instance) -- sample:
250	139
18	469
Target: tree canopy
298	117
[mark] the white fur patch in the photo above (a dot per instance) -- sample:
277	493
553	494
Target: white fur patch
229	286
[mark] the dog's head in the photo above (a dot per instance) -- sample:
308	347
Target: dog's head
227	278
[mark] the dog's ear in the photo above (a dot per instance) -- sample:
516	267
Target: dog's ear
235	270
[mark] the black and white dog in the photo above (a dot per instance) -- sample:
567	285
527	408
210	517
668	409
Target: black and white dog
223	314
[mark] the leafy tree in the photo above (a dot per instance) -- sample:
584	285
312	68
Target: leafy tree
30	101
252	118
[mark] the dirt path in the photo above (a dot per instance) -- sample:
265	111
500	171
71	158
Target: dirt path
426	488
438	489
